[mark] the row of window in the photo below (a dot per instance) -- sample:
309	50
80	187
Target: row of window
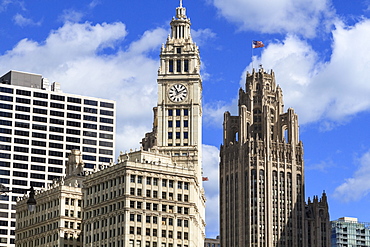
61	114
155	207
178	135
57	97
32	175
177	112
154	220
178	124
154	194
45	104
68	139
165	182
51	121
179	65
154	232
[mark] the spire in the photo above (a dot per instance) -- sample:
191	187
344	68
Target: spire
180	12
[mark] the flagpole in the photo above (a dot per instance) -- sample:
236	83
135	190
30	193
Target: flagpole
252	55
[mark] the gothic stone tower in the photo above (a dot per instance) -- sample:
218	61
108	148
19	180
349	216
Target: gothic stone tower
261	170
177	125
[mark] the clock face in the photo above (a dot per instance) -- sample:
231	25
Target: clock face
177	93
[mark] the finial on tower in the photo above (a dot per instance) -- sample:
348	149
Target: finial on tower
180	3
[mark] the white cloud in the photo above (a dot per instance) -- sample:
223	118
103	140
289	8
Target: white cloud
358	185
214	112
303	17
330	91
71	15
72	55
211	187
22	21
202	36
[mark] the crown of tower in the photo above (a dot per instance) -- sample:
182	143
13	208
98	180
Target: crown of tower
180	25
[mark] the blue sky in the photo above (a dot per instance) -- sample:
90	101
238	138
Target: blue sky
318	49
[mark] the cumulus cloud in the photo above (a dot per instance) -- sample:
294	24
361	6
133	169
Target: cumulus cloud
22	21
71	15
332	90
72	55
201	36
358	185
211	187
302	17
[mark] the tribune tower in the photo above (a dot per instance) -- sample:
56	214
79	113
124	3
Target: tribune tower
261	170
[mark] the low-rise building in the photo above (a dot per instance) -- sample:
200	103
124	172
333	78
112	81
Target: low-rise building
348	231
57	218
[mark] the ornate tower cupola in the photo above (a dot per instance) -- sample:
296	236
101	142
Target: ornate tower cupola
180	26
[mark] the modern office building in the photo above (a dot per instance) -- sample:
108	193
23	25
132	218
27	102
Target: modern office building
349	232
262	171
57	218
39	126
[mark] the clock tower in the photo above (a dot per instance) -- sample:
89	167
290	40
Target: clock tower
177	126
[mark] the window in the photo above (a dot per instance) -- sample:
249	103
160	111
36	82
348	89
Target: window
170	112
155	181
73	115
39	119
23	92
90	126
57	97
106	120
106	128
90	118
178	112
72	123
90	110
170	135
186	123
23	108
40	103
73	108
170	65
40	95
74	100
6	106
178	65
38	151
186	65
57	105
6	98
186	135
56	129
38	127
90	102
107	113
140	179
106	144
21	116
186	185
90	133
107	105
6	114
177	135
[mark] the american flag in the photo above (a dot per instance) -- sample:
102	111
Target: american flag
257	44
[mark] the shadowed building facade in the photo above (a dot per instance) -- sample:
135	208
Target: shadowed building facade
261	170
